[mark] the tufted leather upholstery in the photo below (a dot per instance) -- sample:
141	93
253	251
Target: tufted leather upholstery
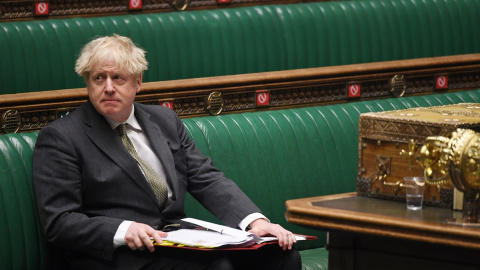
22	245
272	155
302	152
39	55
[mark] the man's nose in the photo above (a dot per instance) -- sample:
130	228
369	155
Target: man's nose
109	85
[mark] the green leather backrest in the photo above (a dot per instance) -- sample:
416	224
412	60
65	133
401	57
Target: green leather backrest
39	55
279	155
273	156
22	245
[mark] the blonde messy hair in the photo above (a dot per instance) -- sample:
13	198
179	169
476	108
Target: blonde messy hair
121	50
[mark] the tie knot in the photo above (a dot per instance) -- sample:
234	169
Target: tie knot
122	129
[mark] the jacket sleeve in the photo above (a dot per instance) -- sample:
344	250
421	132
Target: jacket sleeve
208	185
57	177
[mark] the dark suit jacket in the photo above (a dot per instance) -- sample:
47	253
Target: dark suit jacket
86	183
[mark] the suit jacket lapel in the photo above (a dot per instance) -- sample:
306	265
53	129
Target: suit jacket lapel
102	135
160	146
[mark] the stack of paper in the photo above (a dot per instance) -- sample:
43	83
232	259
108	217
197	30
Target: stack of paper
214	236
206	239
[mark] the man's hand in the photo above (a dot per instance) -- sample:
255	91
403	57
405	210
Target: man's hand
261	227
138	236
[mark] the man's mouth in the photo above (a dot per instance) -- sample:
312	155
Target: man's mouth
109	100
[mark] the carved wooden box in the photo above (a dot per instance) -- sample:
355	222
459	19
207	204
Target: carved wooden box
388	142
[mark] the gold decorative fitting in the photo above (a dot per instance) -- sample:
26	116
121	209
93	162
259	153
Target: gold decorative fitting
457	156
179	5
384	165
409	154
11	121
215	103
398	85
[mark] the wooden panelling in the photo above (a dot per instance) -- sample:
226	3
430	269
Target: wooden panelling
11	10
263	91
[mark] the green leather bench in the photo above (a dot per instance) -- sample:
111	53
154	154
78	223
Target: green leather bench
272	155
39	55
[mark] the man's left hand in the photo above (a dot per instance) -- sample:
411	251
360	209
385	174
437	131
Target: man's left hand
261	227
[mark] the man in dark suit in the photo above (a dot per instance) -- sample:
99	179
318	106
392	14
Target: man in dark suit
100	206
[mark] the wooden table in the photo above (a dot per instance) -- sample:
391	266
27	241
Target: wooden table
367	233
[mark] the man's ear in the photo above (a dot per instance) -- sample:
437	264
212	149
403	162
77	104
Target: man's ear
139	82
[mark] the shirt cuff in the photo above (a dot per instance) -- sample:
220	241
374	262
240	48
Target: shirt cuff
249	219
119	237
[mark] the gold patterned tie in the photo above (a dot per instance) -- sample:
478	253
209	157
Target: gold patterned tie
158	185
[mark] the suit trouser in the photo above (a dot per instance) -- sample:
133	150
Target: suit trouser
268	257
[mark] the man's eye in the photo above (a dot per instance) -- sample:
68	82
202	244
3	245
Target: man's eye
118	78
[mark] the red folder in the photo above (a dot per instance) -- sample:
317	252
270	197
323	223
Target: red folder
251	247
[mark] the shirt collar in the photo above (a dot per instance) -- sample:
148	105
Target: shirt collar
131	121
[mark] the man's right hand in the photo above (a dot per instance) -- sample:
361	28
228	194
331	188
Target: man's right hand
138	236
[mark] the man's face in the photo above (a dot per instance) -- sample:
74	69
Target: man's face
112	91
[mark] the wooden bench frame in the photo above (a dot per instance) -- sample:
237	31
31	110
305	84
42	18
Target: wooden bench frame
25	112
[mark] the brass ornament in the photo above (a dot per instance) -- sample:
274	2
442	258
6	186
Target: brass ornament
398	85
179	5
431	156
11	121
409	155
459	157
215	103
